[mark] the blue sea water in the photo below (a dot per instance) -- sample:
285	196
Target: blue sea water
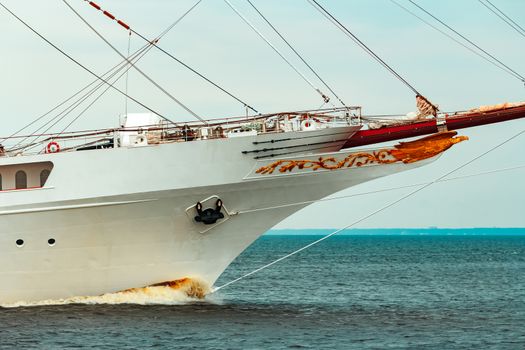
349	292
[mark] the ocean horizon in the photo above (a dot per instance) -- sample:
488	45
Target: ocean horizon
427	231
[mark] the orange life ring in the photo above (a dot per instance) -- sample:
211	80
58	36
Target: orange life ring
53	147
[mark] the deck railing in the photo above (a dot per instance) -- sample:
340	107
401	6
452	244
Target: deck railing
166	132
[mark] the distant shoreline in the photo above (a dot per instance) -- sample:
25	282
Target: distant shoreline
429	231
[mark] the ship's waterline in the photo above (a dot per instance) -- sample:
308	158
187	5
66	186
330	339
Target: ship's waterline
168	293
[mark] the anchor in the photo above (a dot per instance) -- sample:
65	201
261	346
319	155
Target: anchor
209	216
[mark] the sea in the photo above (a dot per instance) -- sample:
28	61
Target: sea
364	289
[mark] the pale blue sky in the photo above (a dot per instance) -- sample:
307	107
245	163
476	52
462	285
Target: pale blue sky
216	42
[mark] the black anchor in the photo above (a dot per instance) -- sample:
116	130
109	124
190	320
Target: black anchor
209	216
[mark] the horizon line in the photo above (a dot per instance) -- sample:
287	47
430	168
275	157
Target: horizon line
427	231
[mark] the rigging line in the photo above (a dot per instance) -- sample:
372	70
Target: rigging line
503	13
109	74
245	20
127	76
63	102
321	106
179	19
519	76
127	68
175	58
368	215
123	65
199	74
348	33
506	16
135	54
92	102
454	39
296	53
325	98
488	172
53	121
141	72
45	114
245	104
503	17
80	64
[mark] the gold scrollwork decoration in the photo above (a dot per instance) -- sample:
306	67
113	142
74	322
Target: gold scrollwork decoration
406	152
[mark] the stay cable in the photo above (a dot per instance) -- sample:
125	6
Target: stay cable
80	64
410	194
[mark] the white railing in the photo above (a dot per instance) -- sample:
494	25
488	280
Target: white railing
166	132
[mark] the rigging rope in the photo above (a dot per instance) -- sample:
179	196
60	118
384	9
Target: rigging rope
80	64
503	17
109	15
47	113
362	45
127	76
516	74
297	53
76	104
69	109
326	99
452	38
127	68
62	103
368	215
141	72
488	172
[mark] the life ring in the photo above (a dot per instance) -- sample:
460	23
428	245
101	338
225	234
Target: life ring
308	125
53	147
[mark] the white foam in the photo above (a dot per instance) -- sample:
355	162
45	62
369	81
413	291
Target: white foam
155	295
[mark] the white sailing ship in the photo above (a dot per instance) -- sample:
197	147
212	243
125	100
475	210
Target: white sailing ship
154	202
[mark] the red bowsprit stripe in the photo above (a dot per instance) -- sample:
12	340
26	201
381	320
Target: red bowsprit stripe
95	5
123	24
109	15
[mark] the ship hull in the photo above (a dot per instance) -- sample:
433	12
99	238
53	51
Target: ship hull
145	232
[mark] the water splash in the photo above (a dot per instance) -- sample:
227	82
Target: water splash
177	292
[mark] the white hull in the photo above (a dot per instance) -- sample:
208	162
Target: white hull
126	220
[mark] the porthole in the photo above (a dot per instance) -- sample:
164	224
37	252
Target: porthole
51	242
19	243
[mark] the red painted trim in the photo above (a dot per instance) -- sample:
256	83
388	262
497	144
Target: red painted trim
95	5
468	120
367	137
123	24
109	15
476	119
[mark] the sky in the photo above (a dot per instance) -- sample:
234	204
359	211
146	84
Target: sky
217	43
